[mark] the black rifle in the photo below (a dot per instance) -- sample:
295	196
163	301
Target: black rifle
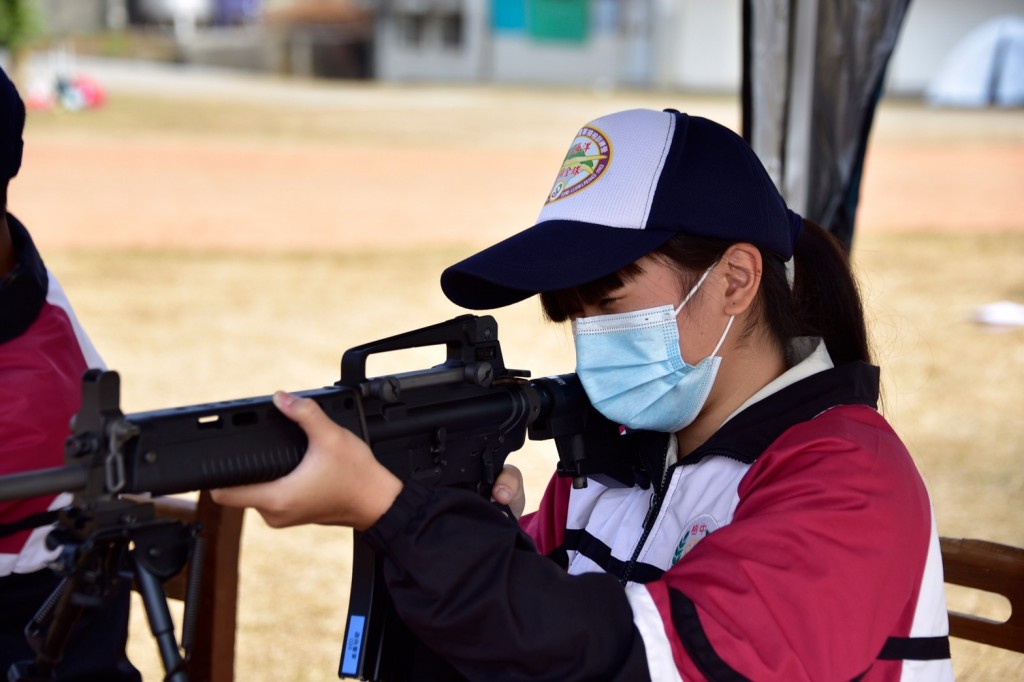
451	425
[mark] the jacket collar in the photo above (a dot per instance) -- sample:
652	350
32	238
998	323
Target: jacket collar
749	433
23	289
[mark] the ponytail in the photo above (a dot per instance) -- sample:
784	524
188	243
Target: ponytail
824	300
826	295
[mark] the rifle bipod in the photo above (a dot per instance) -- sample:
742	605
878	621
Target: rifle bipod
101	545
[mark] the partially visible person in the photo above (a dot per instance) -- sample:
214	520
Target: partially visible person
43	354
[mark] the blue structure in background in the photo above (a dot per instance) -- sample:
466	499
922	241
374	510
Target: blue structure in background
508	16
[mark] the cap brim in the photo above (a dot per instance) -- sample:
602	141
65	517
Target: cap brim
550	256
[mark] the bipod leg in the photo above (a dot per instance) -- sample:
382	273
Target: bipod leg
160	623
161	550
47	633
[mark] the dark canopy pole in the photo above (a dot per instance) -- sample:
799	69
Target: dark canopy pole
813	72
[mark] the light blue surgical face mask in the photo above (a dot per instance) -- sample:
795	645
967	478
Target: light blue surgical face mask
634	373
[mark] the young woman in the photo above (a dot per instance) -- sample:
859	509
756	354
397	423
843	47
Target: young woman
786	533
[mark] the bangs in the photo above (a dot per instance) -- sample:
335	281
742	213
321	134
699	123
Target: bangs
690	255
559	306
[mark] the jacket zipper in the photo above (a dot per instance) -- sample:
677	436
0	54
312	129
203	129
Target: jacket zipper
652	514
655	507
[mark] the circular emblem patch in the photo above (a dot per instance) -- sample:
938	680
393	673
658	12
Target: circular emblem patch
698	529
588	157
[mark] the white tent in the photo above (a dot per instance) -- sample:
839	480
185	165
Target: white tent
986	68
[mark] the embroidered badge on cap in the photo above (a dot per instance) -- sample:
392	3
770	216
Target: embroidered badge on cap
588	157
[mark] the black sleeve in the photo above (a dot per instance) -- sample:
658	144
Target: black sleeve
470	584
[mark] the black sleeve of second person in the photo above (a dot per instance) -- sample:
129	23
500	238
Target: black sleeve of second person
470	584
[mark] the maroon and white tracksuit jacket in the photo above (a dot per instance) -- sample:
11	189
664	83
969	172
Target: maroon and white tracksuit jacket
43	354
798	543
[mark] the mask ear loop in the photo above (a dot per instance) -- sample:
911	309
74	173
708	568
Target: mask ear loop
694	289
728	326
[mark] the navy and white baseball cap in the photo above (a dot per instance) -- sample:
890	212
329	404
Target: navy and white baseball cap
630	182
12	125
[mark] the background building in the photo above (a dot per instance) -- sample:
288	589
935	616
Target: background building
688	45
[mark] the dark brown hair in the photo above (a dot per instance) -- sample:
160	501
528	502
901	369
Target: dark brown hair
824	301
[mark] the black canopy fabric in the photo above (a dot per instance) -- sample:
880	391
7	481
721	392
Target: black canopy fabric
813	72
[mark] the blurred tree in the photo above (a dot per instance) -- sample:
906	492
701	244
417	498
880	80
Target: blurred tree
20	24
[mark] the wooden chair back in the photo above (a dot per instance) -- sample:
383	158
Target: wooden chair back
990	567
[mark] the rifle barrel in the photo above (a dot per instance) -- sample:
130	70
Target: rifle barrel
43	482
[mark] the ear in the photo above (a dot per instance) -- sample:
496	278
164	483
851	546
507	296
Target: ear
742	263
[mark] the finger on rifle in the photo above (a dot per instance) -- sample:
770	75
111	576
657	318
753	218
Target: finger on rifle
253	495
509	489
303	411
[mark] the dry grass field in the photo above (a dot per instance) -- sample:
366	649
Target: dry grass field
220	247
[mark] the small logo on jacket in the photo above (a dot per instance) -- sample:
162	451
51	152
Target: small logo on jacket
588	157
698	529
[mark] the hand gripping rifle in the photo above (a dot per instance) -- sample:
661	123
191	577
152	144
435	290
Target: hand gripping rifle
450	425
